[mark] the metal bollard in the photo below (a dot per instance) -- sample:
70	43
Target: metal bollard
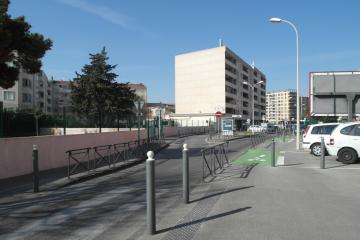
185	174
150	193
283	135
35	162
322	161
273	153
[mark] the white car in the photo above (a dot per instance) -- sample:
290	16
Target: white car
344	142
313	134
255	128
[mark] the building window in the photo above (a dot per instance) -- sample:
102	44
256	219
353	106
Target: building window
230	69
26	98
230	100
255	97
231	90
245	104
26	82
41	94
9	96
245	112
230	110
245	95
230	79
255	89
245	69
255	73
245	86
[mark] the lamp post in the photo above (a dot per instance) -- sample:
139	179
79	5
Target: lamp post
139	106
253	100
279	20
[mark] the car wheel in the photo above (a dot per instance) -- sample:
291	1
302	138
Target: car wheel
316	149
347	156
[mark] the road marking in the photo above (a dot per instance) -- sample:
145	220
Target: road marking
280	160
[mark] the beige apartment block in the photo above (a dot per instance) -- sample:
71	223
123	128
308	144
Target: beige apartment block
211	80
281	106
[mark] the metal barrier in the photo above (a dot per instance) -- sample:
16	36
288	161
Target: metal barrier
257	139
90	158
214	158
78	156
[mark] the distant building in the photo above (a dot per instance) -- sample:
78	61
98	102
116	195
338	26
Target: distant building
211	80
281	106
61	95
166	110
31	92
140	90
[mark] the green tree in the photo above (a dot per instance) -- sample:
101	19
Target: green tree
122	100
18	47
92	89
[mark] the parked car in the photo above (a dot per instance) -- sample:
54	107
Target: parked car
255	128
344	142
312	136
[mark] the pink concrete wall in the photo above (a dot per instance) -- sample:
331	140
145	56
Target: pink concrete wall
16	153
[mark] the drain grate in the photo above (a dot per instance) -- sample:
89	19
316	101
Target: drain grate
187	227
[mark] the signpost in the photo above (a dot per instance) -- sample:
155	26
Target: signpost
218	117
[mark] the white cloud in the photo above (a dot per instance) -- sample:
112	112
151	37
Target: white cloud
101	11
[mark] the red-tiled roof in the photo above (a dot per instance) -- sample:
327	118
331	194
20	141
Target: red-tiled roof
137	86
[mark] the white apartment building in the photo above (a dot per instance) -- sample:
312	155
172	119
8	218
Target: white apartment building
211	80
31	92
281	106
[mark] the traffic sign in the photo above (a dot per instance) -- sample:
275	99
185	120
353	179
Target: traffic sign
218	114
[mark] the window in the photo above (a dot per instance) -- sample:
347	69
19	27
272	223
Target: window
9	96
230	110
229	89
245	95
245	112
255	97
255	89
326	130
26	82
245	104
255	73
357	130
26	98
230	79
245	86
347	130
230	69
245	69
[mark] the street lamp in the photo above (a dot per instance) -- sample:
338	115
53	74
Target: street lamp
253	101
139	106
279	20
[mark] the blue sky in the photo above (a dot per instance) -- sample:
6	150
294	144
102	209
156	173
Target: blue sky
143	37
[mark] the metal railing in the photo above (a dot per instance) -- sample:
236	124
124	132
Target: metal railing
111	155
258	138
214	158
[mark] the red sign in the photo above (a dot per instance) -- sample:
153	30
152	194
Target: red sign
218	114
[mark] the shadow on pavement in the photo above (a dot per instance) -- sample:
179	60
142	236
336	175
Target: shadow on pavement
204	219
220	193
290	164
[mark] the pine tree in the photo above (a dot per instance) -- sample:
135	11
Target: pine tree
92	90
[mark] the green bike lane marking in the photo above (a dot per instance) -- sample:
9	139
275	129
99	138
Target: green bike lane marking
261	157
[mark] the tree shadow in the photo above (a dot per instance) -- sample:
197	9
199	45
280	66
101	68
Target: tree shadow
205	219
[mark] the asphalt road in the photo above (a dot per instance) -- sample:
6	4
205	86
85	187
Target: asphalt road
107	206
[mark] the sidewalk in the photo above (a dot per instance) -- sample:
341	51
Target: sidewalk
294	201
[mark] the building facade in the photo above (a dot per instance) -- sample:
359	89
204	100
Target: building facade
61	95
140	90
212	80
31	92
281	106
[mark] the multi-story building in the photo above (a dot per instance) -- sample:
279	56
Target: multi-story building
212	80
281	106
166	110
140	90
31	92
61	95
